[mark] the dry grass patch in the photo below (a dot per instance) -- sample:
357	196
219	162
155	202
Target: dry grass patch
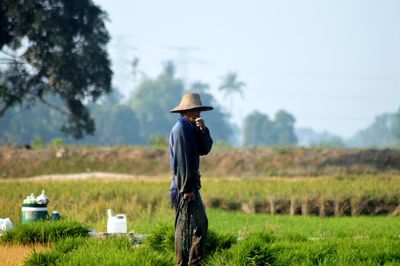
11	254
245	162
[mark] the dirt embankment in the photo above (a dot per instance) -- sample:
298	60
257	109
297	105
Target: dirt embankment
222	162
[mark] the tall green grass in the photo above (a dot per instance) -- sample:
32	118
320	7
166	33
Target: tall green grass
44	232
261	247
256	250
158	249
312	227
115	251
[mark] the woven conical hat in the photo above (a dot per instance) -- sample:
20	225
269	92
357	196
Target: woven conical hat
190	101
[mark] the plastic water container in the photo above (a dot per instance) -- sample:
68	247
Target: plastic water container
34	212
117	224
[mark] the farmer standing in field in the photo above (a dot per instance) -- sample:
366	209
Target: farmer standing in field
189	139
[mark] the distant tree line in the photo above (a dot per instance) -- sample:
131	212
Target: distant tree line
384	132
307	137
143	118
140	120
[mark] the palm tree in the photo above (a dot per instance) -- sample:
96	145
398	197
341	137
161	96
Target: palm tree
230	85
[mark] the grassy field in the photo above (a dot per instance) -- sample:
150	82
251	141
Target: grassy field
278	206
88	200
234	213
234	239
259	248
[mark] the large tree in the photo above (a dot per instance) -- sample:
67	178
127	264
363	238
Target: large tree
54	47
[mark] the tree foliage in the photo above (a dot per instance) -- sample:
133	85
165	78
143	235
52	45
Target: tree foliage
152	100
380	134
284	128
230	86
115	125
307	137
144	119
23	126
259	130
54	47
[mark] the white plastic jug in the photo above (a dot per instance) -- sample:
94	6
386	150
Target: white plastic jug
117	224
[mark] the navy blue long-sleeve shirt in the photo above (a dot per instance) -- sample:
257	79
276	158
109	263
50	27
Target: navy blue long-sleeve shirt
186	144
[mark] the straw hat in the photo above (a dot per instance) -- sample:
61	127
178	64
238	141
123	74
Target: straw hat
190	101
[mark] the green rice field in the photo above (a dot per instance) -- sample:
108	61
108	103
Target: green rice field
88	200
244	228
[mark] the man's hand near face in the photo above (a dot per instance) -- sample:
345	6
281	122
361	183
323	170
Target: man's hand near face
200	123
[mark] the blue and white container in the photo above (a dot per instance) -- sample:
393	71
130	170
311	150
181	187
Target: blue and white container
34	212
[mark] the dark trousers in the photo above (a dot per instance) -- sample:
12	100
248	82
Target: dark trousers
190	231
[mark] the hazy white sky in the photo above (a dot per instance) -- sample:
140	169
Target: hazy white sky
334	65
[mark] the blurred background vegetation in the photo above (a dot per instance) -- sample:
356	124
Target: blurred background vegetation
144	119
55	87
